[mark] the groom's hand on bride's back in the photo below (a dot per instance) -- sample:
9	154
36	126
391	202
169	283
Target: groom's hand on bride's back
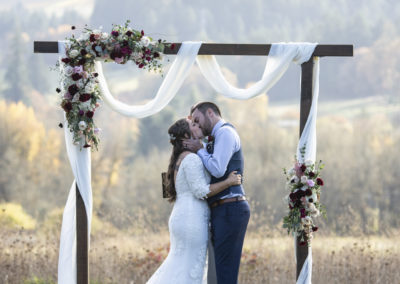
192	145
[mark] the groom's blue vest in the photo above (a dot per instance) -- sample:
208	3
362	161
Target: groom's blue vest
236	163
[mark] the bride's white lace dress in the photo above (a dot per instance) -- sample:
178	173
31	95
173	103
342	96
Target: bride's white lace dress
188	226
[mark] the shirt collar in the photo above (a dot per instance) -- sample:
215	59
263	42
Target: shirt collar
217	126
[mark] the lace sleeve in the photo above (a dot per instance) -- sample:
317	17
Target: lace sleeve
195	176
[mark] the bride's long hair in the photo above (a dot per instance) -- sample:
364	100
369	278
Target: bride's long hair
177	132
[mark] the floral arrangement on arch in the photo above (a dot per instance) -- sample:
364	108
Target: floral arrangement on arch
79	90
304	186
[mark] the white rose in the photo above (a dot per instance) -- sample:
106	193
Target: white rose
104	35
69	70
89	88
82	125
295	179
304	179
145	41
312	198
292	171
73	53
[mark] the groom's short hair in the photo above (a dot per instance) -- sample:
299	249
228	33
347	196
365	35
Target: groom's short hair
204	106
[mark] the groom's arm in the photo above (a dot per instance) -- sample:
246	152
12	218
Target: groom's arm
226	143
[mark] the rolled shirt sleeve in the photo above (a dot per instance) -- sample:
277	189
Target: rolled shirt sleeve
227	142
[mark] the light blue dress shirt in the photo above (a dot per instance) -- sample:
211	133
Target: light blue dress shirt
226	143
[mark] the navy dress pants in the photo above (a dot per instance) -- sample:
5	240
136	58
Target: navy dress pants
228	228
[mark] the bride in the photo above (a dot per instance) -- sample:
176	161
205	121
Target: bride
188	186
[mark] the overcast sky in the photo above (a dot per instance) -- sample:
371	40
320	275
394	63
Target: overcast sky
84	7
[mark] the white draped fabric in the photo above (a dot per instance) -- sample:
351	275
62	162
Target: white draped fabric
279	58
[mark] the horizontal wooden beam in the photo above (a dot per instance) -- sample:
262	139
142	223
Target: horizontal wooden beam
224	49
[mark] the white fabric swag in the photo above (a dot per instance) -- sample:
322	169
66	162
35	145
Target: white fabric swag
279	58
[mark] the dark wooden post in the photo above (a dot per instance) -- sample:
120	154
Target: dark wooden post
305	105
82	253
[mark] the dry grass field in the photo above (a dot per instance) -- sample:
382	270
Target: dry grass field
29	257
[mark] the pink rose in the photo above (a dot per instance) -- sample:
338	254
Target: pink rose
67	96
310	183
78	69
119	60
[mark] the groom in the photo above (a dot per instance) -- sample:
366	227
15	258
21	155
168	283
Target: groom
230	211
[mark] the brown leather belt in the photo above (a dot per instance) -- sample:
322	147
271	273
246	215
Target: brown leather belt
227	200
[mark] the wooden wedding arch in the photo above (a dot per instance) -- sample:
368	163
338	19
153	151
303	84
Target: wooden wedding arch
321	50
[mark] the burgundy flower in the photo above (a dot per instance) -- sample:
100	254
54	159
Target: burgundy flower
82	61
302	213
301	193
83	52
85	97
129	33
141	65
66	60
320	181
290	207
173	46
148	58
292	196
126	50
311	174
76	76
147	51
73	89
116	53
92	38
89	114
115	33
67	106
314	229
156	54
303	168
308	192
81	112
142	32
302	243
311	200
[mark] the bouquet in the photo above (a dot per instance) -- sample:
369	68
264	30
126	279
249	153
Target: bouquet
304	185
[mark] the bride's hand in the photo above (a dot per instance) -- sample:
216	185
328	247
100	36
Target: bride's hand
234	178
